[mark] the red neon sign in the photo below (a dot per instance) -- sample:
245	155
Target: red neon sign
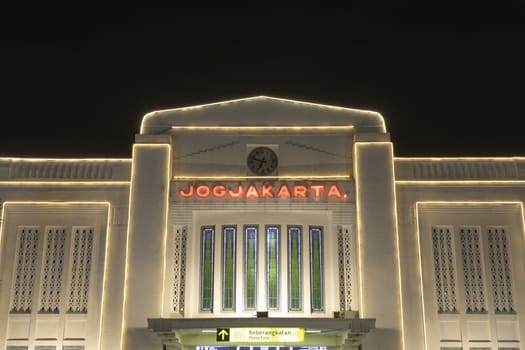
264	191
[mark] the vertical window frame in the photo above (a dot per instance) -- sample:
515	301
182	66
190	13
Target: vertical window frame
295	290
206	297
316	305
228	267
269	258
250	265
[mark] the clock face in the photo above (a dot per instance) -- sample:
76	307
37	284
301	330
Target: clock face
262	161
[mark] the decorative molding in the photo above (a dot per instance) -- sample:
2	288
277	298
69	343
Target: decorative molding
65	169
456	169
119	215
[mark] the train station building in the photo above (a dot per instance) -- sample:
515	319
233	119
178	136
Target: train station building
262	224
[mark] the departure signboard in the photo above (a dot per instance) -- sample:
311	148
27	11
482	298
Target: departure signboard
260	335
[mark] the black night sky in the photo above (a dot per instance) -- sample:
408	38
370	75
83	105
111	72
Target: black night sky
449	81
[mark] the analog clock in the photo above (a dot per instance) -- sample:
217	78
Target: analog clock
262	161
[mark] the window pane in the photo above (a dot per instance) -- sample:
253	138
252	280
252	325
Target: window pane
500	270
250	263
207	235
294	268
272	268
316	268
228	267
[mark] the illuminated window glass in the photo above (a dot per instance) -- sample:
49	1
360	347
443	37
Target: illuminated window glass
294	268
316	268
207	235
250	264
272	266
228	267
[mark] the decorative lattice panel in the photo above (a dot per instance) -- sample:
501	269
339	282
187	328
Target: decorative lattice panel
80	268
25	270
444	271
500	270
345	268
472	269
179	268
53	265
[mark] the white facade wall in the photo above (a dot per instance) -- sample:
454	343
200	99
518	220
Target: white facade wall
109	254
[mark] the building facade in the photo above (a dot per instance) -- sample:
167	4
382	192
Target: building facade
262	223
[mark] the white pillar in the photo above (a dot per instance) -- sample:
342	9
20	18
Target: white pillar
377	240
149	193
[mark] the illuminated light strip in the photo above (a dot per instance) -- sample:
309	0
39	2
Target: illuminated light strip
359	229
57	203
449	203
2	220
266	128
104	284
262	97
439	159
341	177
420	270
68	204
473	203
396	223
126	273
460	182
65	183
165	236
56	160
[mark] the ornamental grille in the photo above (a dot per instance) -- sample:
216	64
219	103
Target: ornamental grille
26	261
51	282
80	269
179	268
500	270
472	269
444	269
345	270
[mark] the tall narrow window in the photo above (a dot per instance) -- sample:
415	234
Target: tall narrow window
250	265
207	236
444	272
294	268
500	270
316	268
80	269
228	267
345	268
52	270
26	257
272	266
472	269
178	281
